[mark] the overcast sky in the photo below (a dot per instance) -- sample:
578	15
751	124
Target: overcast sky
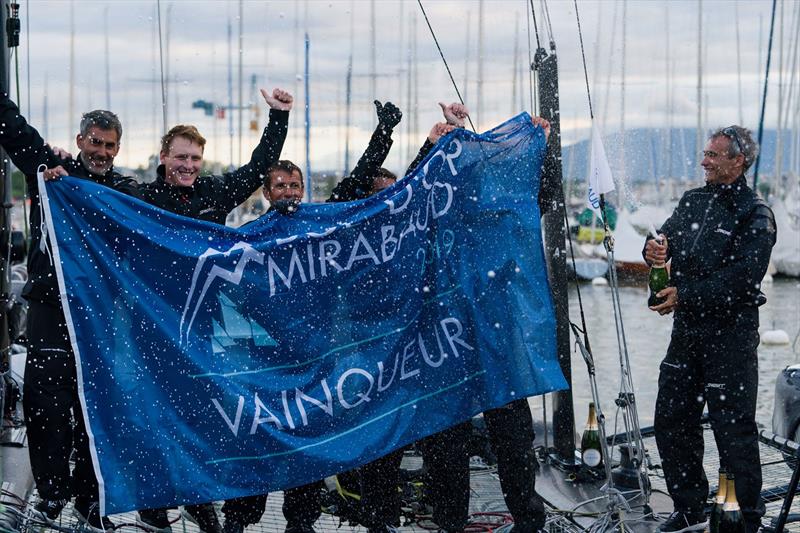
660	48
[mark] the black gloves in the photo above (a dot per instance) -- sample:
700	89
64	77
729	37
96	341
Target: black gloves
389	115
286	207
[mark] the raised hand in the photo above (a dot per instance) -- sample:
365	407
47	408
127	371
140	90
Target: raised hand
389	115
438	130
279	99
545	124
454	113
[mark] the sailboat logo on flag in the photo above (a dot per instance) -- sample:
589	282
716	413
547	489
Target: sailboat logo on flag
600	179
239	255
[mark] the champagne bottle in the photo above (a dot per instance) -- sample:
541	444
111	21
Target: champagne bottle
719	502
659	277
732	520
590	441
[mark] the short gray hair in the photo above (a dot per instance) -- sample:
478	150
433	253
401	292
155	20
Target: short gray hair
741	142
100	118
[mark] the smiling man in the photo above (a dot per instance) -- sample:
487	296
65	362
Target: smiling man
719	241
50	389
181	189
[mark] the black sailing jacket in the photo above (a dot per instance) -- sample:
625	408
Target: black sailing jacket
720	238
27	151
212	197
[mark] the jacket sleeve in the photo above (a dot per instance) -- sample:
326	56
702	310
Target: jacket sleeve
23	144
427	146
233	188
358	183
738	282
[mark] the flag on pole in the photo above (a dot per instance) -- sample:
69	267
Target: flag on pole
600	179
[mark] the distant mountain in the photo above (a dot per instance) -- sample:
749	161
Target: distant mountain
648	154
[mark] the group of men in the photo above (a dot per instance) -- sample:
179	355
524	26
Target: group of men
718	240
52	409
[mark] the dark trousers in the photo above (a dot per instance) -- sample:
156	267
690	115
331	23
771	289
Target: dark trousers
511	434
302	506
719	367
50	404
380	497
446	464
247	510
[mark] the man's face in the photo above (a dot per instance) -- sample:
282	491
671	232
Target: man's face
182	162
98	149
380	183
284	186
719	167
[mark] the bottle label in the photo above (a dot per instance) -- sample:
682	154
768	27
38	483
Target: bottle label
591	457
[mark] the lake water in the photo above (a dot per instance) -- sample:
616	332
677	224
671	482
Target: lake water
648	336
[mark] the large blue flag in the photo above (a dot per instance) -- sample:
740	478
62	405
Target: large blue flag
217	362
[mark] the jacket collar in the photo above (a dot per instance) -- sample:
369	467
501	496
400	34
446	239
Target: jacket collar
97	177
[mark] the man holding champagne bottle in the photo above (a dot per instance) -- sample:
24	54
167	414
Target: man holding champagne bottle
719	241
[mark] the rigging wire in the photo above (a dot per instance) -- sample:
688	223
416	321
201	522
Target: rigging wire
530	58
535	27
626	399
28	51
764	95
532	80
583	58
546	12
449	73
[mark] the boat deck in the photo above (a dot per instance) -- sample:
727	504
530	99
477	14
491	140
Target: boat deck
574	506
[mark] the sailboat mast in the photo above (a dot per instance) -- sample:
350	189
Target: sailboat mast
71	106
622	165
699	134
241	80
764	94
515	68
308	118
415	92
409	82
348	104
108	66
230	93
467	57
349	95
667	169
479	114
779	133
373	67
45	110
738	63
552	205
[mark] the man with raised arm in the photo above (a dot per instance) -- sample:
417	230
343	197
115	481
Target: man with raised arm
50	389
181	189
510	428
284	189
